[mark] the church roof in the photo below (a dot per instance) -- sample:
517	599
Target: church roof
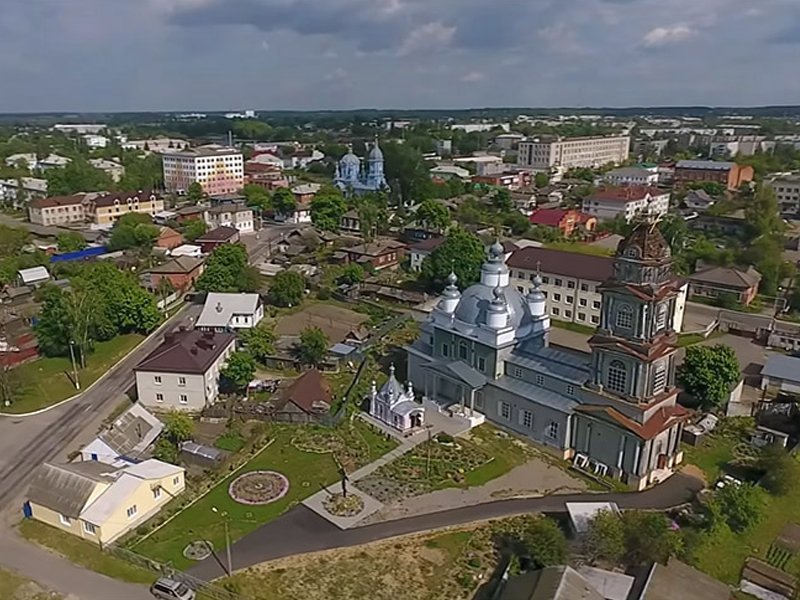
375	153
658	422
392	389
350	159
645	243
536	394
459	370
555	363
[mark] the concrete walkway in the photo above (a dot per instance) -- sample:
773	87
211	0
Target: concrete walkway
301	530
52	571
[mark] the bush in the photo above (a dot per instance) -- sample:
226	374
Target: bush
780	470
739	506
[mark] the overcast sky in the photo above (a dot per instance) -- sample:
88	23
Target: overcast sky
121	55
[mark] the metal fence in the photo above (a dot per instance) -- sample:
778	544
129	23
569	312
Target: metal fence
201	586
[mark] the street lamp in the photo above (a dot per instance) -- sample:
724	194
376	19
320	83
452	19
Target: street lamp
74	366
224	516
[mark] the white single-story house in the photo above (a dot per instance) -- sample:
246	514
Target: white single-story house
222	312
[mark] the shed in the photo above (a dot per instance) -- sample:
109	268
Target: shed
782	372
580	513
202	456
33	276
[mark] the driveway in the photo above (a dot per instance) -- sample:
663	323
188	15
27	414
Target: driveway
301	530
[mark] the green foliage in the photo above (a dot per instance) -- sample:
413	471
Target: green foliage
541	180
519	223
239	369
259	340
407	173
251	129
141	172
166	451
545	543
649	538
545	234
287	289
195	192
313	346
605	538
351	274
54	326
227	271
178	427
133	230
580	173
708	374
462	252
194	229
12	240
257	196
433	215
740	506
712	188
77	176
122	305
780	470
283	202
70	241
501	200
327	208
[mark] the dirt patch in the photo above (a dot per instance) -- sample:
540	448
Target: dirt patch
695	472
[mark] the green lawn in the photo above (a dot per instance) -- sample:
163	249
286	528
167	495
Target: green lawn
46	381
576	327
722	553
580	248
307	473
83	553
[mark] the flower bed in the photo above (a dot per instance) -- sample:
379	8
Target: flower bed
343	506
258	487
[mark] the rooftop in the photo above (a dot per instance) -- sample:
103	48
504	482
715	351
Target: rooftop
34	274
630	193
179	264
132	432
219	308
187	352
207	150
551	217
705	165
728	276
781	366
561	262
220	234
311	392
428	245
57	201
120	197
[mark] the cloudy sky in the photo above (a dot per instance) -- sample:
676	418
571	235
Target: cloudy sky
97	55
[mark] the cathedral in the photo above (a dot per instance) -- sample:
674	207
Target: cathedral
612	412
353	178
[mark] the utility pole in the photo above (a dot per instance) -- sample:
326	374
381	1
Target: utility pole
428	460
224	516
74	366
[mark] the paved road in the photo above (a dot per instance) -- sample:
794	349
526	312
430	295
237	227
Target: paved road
301	530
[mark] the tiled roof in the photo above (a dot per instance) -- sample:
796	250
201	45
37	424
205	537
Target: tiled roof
309	391
220	234
728	276
187	352
705	165
179	264
428	245
57	201
549	216
123	197
560	262
630	193
658	422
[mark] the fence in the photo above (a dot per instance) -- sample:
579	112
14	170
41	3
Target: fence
208	590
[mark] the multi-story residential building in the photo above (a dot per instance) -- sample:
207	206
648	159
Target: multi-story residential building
231	214
626	202
745	145
19	192
111	167
218	169
566	153
567	221
106	209
787	191
155	145
726	173
57	210
571	283
638	175
183	372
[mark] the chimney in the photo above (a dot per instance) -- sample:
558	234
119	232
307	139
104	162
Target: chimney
218	307
193	351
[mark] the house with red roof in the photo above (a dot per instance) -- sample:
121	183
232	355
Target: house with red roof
626	201
564	219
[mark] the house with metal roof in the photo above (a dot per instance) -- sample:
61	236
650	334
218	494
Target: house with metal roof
126	439
716	282
33	276
100	502
781	372
228	312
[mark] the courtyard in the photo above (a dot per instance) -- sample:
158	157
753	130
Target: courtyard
303	459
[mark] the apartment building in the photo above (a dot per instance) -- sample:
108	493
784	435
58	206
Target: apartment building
218	169
231	214
57	210
566	153
639	175
726	173
106	209
627	202
787	191
570	281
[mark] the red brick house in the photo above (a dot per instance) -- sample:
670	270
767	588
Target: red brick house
567	220
168	238
381	254
181	272
217	237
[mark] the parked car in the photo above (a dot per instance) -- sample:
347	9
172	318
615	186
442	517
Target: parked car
170	589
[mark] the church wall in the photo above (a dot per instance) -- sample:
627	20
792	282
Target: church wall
541	380
603	443
479	356
416	374
515	420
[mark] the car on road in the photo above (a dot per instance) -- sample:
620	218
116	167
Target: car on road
171	589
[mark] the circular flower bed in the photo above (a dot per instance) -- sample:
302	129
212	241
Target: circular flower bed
198	550
258	487
343	506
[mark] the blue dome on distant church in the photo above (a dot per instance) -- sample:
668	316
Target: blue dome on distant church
352	178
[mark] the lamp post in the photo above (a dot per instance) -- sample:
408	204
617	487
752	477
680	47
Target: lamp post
224	516
74	366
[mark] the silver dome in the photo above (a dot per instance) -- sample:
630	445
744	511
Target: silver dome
376	153
477	299
350	159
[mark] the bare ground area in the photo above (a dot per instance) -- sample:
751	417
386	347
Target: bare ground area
534	478
15	587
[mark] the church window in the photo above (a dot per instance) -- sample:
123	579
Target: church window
661	317
516	372
444	350
570	299
557	297
659	379
520	289
505	410
584	287
558	281
617	377
571	285
570	390
545	279
462	351
481	364
625	317
552	430
526	419
596	304
595	319
540	380
556	312
582	302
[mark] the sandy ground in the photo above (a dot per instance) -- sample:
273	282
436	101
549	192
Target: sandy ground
535	478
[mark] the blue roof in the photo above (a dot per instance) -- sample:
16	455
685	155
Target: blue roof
536	394
342	349
782	367
79	254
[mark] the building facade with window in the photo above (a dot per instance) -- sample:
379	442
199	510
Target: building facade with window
218	169
612	411
567	153
571	282
183	372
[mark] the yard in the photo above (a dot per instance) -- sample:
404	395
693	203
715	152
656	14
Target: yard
46	381
300	453
447	565
722	553
445	462
14	587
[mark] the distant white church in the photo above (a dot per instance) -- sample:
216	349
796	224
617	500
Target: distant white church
395	405
353	178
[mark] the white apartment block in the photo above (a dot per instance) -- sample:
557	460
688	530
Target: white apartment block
567	153
231	214
633	176
627	202
787	191
58	210
218	169
570	281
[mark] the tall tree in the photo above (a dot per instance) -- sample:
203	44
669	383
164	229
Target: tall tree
605	538
283	202
260	340
708	373
257	196
433	215
70	241
313	346
239	369
649	538
462	252
194	229
133	230
77	176
327	209
287	289
195	192
227	271
545	543
407	173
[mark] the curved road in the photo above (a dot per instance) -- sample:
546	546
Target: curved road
302	530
